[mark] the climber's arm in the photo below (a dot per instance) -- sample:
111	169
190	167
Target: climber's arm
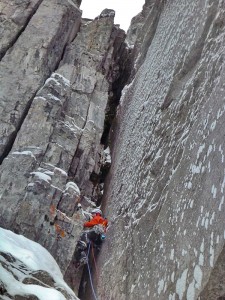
91	223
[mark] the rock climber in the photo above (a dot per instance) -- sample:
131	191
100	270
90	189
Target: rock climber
94	232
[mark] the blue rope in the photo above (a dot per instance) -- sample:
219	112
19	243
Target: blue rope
89	271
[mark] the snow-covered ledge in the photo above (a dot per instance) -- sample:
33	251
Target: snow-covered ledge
27	269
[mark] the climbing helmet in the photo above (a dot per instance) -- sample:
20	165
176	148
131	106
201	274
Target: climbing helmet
96	211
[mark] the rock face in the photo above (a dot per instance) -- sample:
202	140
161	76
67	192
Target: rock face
55	82
142	30
14	17
27	65
60	78
165	193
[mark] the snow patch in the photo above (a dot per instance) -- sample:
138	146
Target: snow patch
189	185
132	288
212	218
221	203
56	99
200	150
107	155
42	176
160	286
217	239
196	169
14	287
28	153
72	185
214	191
213	126
66	81
198	276
191	291
172	297
58	170
181	284
36	258
202	246
209	150
201	259
172	254
211	251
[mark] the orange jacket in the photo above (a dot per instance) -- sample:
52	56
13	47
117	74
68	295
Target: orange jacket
97	219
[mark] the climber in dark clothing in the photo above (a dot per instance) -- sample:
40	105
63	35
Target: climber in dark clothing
95	233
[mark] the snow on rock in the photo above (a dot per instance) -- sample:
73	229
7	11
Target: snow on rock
26	268
29	153
107	155
72	185
42	176
57	75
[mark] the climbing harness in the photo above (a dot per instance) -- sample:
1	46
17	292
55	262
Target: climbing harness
89	272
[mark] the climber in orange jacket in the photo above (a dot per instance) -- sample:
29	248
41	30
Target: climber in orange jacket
97	220
94	233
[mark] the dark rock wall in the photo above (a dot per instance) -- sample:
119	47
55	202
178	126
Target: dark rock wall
165	192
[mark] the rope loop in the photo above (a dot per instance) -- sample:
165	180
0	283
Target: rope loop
89	272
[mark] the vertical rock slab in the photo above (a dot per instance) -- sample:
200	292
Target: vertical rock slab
93	73
15	15
166	183
27	65
142	30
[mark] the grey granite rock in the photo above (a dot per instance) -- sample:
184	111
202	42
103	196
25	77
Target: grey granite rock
142	31
14	16
165	191
50	168
33	57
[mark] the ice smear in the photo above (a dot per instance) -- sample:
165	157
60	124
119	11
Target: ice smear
15	287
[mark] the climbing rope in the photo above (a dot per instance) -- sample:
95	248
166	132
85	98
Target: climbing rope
96	269
89	271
